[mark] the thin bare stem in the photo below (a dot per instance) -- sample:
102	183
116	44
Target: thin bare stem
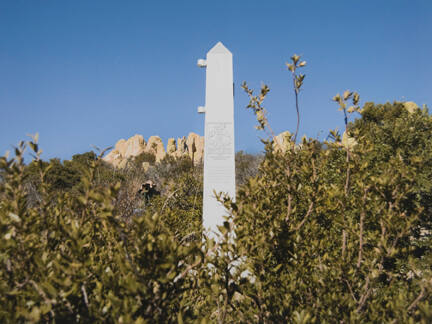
344	238
416	301
362	217
85	295
351	291
296	91
196	263
311	205
365	296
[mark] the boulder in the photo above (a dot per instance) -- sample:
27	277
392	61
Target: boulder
411	106
156	147
181	147
114	158
134	146
171	147
348	142
283	141
195	145
121	146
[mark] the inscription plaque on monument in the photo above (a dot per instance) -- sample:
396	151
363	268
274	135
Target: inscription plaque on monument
219	163
220	140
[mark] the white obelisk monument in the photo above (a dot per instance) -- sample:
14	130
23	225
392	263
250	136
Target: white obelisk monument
219	163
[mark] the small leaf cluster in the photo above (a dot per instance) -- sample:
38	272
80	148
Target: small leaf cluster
256	104
343	102
295	64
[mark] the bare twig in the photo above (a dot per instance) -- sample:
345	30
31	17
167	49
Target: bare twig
226	301
311	205
296	91
187	237
351	291
362	217
196	263
168	198
348	156
416	301
344	238
20	285
297	83
348	173
44	296
365	296
288	173
289	208
85	295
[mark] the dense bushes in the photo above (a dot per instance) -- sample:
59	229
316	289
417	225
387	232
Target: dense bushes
73	258
332	239
246	166
334	231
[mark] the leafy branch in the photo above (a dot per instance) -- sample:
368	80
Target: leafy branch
256	104
297	84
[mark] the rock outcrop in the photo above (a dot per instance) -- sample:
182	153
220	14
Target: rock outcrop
125	150
182	148
195	145
283	141
411	106
121	147
348	141
156	147
171	146
134	146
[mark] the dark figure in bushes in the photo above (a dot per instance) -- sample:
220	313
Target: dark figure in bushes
148	191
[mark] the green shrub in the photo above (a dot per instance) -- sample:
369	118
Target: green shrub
144	157
322	248
321	232
246	166
71	258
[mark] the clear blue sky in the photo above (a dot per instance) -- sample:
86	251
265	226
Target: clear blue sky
91	72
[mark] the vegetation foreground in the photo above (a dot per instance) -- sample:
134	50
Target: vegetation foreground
325	232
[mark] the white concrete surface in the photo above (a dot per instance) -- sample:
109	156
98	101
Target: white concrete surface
219	158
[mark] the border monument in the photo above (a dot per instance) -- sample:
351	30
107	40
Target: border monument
219	154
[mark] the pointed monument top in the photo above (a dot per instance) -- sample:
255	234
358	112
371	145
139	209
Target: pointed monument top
219	48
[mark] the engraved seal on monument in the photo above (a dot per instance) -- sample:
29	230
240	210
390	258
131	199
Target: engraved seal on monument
220	140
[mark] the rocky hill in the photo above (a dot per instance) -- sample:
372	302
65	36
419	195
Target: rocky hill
193	146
